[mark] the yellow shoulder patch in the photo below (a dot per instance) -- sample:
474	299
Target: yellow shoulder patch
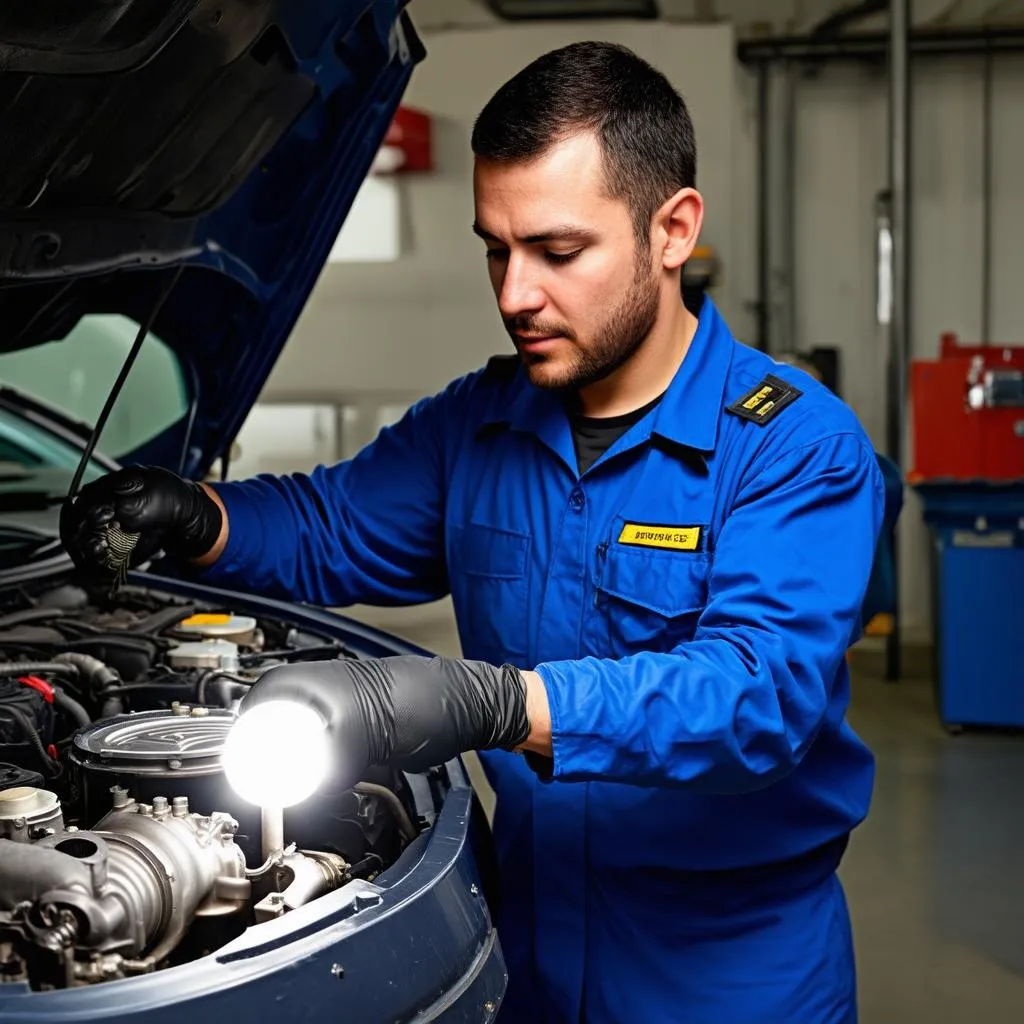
765	401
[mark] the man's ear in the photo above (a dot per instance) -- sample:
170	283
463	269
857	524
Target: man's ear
676	227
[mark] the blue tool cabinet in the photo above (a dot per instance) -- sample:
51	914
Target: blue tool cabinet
978	593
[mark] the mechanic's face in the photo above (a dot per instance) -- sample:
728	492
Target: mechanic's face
576	295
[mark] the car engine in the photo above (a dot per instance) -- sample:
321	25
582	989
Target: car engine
122	848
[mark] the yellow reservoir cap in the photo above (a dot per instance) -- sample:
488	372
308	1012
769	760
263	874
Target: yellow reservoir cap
206	619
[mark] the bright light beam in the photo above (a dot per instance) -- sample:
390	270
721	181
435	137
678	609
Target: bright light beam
276	754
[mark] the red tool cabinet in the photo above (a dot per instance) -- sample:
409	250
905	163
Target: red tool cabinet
967	413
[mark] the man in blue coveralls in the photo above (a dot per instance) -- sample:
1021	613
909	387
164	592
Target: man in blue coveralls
657	541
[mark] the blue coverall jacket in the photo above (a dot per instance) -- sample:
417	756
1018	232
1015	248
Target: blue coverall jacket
688	602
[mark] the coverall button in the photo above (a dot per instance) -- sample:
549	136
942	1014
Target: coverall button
577	500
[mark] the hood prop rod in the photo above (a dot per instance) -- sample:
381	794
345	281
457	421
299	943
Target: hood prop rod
144	329
121	544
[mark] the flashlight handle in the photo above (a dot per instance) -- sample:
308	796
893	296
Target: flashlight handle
272	831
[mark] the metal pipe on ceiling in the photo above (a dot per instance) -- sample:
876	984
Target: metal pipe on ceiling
833	24
875	45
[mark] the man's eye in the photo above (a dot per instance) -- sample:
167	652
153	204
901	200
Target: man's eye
561	257
496	254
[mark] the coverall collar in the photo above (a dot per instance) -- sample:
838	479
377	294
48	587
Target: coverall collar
688	414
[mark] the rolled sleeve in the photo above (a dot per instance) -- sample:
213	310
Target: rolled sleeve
245	533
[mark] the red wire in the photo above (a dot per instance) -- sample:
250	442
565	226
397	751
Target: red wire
38	684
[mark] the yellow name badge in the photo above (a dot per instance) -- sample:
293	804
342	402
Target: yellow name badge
670	538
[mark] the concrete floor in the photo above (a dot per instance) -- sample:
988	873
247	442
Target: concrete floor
935	876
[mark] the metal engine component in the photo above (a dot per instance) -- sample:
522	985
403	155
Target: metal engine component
127	889
205	654
151	753
27	813
172	743
308	874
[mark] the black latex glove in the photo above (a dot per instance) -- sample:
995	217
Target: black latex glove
167	512
408	712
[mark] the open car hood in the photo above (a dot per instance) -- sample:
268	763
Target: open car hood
222	140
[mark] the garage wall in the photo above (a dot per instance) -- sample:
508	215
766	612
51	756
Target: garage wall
841	157
841	154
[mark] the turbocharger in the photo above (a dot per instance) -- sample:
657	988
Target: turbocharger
129	888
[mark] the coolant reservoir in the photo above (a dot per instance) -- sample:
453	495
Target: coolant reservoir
201	654
238	629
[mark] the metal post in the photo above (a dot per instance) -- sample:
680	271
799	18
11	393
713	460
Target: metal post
763	209
899	187
787	175
986	193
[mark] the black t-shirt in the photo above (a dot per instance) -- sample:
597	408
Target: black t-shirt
592	437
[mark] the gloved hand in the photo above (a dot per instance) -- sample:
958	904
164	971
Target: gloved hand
408	712
166	511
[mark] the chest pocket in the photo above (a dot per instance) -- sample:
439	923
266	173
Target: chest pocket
651	600
490	591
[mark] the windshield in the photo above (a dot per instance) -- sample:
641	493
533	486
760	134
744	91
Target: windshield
36	463
75	375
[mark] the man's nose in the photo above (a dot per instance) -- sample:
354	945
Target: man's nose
520	290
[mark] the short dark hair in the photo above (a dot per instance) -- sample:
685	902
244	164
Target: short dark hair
640	120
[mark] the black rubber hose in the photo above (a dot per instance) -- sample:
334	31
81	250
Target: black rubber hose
318	652
162	619
71	706
112	707
390	797
133	687
32	668
27	615
226	690
208	677
93	672
76	627
22	720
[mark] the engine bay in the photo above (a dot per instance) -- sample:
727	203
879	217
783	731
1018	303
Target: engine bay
123	850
